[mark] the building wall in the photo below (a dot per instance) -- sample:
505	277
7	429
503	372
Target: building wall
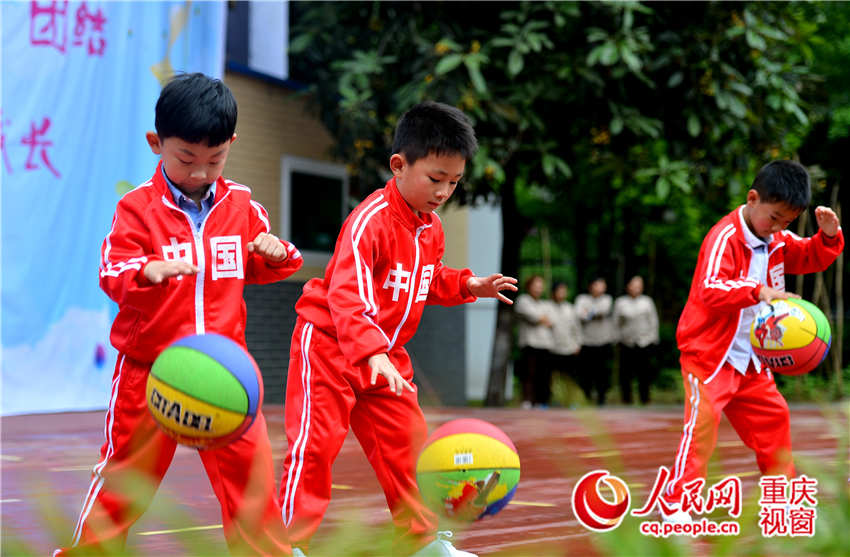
273	121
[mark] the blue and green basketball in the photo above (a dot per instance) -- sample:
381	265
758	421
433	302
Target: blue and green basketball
204	391
467	470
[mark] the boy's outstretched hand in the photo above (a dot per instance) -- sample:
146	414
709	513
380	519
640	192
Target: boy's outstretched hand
492	286
381	365
269	246
827	220
157	271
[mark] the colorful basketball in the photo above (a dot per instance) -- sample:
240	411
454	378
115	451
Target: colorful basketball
467	470
204	391
790	336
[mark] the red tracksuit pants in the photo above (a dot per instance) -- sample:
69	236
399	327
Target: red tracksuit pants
137	454
754	407
324	397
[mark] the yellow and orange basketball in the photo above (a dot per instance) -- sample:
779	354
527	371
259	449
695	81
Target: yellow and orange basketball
467	470
790	336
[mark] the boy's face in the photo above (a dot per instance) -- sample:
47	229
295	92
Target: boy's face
429	182
765	218
190	166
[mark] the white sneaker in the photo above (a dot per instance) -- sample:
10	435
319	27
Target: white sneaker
441	547
678	516
296	552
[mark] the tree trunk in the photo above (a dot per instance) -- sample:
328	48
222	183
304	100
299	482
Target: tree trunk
514	228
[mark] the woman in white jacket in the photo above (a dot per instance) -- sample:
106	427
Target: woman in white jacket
637	321
598	335
566	332
535	342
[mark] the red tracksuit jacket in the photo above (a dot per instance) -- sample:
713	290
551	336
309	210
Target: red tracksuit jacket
386	266
148	226
720	290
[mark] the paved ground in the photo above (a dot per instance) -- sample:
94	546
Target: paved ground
46	462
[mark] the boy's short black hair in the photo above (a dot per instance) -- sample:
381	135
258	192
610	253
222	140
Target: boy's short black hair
784	181
196	108
434	128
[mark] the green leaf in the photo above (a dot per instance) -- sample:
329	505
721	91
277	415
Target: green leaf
675	79
632	61
504	41
299	43
755	40
475	74
738	108
662	187
773	101
628	19
515	63
608	53
450	44
616	125
693	125
448	63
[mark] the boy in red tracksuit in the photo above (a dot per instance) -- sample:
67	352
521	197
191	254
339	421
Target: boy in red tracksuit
742	263
353	324
181	248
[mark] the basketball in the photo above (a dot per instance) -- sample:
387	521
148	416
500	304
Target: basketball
204	391
468	469
790	336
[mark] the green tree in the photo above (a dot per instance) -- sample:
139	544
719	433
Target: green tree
627	128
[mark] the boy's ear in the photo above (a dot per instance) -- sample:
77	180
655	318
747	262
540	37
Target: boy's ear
752	197
153	141
397	163
232	139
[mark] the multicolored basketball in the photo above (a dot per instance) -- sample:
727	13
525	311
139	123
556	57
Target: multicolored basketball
467	470
204	391
790	336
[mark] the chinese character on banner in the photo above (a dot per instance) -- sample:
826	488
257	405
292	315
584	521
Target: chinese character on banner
6	162
48	24
41	144
96	42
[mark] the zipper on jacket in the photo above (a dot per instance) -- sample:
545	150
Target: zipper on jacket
413	286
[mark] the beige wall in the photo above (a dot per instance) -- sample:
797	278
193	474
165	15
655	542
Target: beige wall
456	229
274	121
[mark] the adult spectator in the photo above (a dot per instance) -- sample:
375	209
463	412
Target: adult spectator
598	334
566	332
535	342
637	322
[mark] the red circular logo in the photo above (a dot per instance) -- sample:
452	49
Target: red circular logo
592	509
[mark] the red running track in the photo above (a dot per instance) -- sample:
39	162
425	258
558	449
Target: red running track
47	459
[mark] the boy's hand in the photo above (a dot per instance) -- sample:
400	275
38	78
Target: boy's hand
269	247
491	287
827	220
381	365
157	271
766	294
